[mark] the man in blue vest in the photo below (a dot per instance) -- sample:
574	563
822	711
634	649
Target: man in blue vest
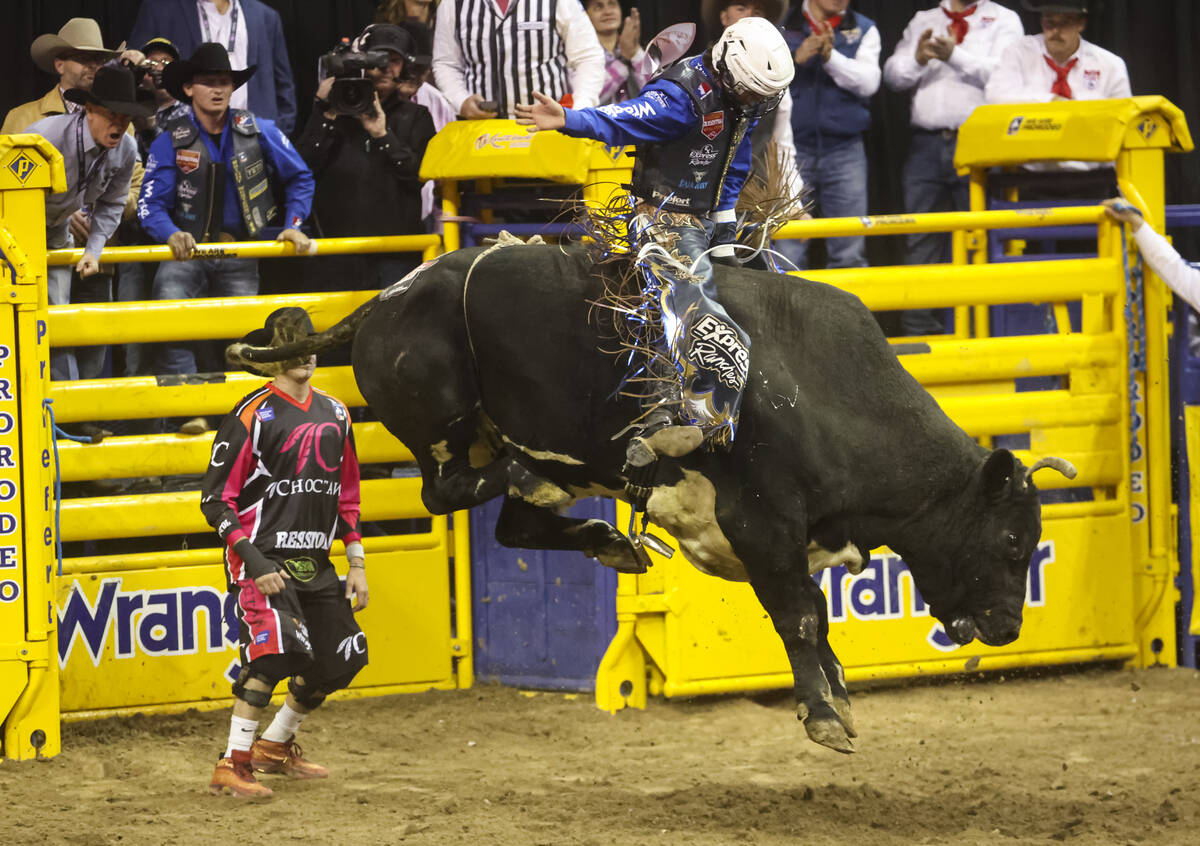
692	126
212	175
250	30
836	51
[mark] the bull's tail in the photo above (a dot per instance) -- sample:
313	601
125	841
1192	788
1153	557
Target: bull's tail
286	347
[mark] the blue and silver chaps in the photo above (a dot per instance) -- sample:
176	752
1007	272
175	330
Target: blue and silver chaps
709	351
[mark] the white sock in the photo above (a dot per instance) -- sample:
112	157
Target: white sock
241	734
285	725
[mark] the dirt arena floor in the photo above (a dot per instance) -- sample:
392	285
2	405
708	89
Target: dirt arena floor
1098	756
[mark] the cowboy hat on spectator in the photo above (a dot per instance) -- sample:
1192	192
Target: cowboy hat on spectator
115	89
773	10
1066	7
78	35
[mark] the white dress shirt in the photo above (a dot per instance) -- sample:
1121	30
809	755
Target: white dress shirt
1171	267
584	55
860	75
1024	76
947	92
785	145
215	26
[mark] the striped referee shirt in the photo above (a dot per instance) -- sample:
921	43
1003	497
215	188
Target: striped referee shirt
535	45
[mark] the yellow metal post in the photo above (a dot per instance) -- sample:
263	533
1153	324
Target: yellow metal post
1155	592
29	697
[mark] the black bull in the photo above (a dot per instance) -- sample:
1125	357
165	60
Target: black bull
500	385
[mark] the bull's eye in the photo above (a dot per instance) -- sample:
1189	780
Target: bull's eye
1012	545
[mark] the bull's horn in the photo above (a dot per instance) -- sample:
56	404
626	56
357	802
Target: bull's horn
1060	464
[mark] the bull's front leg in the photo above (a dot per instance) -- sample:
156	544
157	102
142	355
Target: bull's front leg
798	611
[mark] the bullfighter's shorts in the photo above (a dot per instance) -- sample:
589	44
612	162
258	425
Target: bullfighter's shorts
314	629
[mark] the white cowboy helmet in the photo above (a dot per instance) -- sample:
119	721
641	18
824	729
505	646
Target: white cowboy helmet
752	58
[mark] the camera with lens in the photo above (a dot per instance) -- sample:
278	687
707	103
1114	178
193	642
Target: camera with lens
352	92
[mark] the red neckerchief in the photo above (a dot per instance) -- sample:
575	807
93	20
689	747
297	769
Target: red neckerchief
834	21
1061	86
503	4
958	22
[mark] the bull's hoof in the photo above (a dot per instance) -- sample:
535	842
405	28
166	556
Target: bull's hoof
841	707
829	732
623	556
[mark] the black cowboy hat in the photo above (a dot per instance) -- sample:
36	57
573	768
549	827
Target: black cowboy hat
1076	7
710	12
283	326
115	89
209	57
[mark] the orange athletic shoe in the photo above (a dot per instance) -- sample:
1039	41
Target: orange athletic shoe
234	775
269	756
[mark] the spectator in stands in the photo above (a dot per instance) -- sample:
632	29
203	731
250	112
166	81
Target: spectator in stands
946	56
398	11
836	51
366	167
73	55
489	55
415	86
159	53
249	30
249	156
1058	63
621	40
98	156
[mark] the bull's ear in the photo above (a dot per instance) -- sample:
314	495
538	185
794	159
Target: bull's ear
998	472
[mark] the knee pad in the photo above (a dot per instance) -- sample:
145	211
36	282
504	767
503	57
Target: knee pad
308	695
268	669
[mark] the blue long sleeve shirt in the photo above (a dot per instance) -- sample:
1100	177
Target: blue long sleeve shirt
157	199
663	112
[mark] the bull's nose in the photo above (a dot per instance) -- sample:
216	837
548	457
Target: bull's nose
1000	635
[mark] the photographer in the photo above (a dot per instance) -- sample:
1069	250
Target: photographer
364	143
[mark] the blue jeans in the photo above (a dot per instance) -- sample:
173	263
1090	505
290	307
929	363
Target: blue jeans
135	283
64	286
931	185
838	182
187	280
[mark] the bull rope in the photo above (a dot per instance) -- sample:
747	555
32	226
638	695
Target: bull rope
504	239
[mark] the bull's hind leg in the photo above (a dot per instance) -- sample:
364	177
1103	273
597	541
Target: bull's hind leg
527	526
